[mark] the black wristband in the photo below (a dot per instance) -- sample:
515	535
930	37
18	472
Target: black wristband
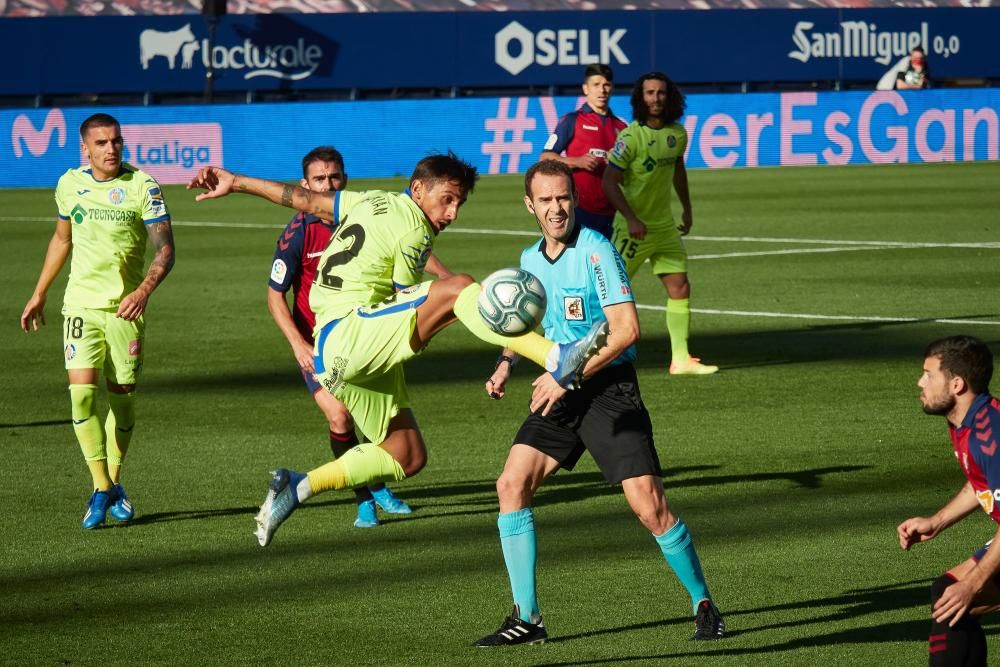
502	358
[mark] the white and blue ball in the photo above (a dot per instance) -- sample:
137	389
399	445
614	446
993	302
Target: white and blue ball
512	301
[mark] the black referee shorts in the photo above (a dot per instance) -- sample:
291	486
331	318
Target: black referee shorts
606	417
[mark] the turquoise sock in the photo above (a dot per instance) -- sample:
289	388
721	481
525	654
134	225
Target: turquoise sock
517	538
678	549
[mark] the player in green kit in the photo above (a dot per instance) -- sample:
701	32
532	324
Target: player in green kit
106	211
645	164
373	313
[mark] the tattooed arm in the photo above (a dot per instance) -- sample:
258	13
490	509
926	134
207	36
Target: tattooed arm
162	236
218	183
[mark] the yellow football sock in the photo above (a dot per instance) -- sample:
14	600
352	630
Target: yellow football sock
118	431
359	466
89	433
529	345
679	327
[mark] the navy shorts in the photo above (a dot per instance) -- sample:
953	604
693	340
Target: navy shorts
601	224
607	418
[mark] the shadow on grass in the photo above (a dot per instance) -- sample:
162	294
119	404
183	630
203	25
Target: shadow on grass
866	341
559	489
48	422
849	606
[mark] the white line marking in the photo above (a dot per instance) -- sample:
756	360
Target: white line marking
511	232
857	245
796	251
908	244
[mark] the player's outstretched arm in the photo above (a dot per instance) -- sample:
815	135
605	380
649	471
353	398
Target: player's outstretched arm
921	529
161	234
218	182
58	250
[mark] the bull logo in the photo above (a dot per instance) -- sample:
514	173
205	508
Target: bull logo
23	134
154	43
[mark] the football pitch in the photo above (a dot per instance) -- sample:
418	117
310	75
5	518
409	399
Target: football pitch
815	290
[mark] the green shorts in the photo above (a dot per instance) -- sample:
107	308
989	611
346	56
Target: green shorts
97	339
663	247
359	359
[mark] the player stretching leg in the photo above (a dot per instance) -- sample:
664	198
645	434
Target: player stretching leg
296	259
373	314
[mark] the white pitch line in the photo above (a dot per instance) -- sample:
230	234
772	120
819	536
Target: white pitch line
857	245
510	232
796	251
813	316
906	244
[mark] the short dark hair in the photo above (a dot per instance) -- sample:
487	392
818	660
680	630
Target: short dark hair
598	69
966	357
446	167
675	99
98	120
321	154
548	168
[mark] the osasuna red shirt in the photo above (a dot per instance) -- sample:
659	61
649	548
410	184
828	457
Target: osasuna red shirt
581	132
296	259
975	444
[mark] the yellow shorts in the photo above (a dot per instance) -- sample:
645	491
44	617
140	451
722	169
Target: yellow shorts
359	359
97	339
664	248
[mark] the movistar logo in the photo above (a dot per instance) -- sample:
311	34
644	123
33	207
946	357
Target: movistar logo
78	213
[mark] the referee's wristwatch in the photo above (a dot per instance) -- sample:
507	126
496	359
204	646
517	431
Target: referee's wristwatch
502	358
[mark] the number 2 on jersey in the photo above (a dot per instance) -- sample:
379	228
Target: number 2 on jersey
356	236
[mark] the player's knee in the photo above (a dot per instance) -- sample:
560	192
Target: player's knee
939	586
513	488
459	282
340	421
414	462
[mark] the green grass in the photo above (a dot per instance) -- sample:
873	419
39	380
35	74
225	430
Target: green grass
792	466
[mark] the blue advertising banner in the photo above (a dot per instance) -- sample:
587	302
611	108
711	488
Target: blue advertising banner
506	134
483	49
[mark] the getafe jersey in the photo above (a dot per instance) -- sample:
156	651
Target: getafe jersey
108	222
382	247
648	157
297	253
975	444
584	132
588	275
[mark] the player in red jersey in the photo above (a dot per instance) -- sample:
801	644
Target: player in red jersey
586	135
955	384
295	261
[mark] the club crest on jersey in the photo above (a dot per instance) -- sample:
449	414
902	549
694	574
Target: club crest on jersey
278	271
134	347
116	196
671	141
70	351
573	308
986	499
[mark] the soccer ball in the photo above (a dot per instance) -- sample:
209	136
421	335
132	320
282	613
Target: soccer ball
512	301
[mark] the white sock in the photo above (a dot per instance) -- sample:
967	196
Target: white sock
303	490
552	358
